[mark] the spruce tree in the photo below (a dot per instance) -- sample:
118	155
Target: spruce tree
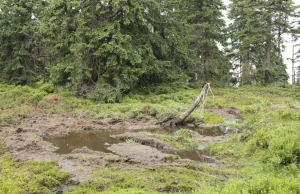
20	56
256	35
118	44
208	30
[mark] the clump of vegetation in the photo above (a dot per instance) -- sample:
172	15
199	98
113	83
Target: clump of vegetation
212	118
268	149
18	102
260	183
23	101
29	177
112	158
105	93
267	137
5	118
181	139
158	179
2	147
88	190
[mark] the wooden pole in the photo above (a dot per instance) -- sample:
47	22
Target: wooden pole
184	115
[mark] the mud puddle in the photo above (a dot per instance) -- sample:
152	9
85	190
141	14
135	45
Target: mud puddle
102	140
26	141
93	140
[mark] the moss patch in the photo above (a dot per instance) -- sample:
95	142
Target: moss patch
182	139
29	177
212	118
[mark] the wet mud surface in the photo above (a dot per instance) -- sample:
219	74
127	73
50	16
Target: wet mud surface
29	140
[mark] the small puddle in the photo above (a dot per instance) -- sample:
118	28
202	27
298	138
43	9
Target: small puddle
100	140
94	140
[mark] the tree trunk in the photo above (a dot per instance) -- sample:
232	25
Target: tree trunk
279	40
268	61
184	115
246	70
268	53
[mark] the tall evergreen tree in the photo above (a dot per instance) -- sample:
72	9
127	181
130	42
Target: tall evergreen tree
20	60
256	35
124	44
208	30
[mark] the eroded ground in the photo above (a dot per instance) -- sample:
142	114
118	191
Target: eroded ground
25	141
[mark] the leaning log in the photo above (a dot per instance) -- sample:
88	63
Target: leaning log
184	115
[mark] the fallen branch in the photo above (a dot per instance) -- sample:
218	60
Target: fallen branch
184	115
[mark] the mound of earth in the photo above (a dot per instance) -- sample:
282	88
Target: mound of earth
144	140
138	151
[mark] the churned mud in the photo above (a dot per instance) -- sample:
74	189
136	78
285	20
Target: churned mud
144	140
138	151
27	140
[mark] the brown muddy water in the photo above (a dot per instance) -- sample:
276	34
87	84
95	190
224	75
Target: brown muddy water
94	140
101	140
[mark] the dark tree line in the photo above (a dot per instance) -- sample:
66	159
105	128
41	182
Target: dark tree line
116	46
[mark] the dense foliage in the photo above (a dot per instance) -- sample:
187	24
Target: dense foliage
104	49
256	37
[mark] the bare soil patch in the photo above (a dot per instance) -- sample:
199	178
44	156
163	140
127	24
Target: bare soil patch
138	151
24	141
227	113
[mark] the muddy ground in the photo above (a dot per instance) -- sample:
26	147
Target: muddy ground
24	141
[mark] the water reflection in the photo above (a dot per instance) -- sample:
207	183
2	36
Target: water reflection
100	140
93	140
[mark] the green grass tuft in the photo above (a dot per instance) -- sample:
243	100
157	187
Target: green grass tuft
29	177
2	147
182	139
159	179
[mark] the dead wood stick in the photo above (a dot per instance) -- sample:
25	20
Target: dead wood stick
184	115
